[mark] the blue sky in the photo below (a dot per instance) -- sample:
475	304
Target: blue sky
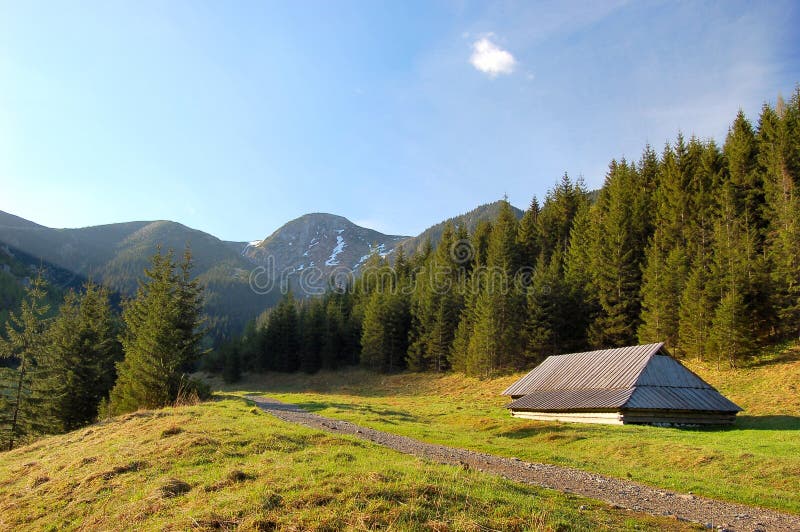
235	117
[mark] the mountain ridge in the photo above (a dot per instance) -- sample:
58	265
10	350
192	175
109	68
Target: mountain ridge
308	249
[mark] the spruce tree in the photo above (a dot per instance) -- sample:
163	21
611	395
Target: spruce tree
623	215
312	335
561	205
84	349
161	337
26	387
782	213
548	311
663	282
498	311
732	333
696	312
529	237
384	340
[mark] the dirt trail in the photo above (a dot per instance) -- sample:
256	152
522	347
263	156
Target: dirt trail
617	492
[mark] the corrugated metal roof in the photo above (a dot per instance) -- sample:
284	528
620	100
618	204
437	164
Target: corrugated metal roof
607	368
629	378
672	398
663	370
559	400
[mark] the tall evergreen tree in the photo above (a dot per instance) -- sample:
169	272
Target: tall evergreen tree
732	333
498	309
622	212
561	205
775	137
384	340
547	325
84	349
161	337
25	387
696	311
436	304
529	236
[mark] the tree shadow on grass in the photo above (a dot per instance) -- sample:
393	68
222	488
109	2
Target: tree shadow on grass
767	423
388	415
520	433
751	423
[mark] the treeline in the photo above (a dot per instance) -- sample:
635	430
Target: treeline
698	246
63	370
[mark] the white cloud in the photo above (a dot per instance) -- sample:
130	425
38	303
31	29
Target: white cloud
491	59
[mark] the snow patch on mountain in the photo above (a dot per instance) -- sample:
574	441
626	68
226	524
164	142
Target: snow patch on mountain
380	249
340	245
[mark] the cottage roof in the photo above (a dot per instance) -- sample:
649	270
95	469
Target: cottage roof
636	377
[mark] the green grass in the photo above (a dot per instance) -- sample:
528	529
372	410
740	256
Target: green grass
756	462
226	465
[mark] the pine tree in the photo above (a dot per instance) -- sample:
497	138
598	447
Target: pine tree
782	213
161	337
696	312
741	154
529	237
26	386
496	339
623	212
285	334
561	205
732	333
384	340
312	335
548	311
663	283
580	289
436	303
84	349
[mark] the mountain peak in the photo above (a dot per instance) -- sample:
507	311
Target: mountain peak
322	241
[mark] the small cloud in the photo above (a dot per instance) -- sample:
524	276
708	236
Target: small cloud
491	59
529	76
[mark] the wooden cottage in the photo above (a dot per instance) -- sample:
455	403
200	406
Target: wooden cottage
638	384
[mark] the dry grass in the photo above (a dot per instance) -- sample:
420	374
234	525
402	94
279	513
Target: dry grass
756	462
231	467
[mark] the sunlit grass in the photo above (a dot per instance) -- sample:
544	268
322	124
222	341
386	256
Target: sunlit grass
226	465
755	462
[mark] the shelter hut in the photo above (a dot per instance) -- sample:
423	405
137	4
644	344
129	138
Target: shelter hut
638	384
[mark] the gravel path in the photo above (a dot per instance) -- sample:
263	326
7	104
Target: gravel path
617	492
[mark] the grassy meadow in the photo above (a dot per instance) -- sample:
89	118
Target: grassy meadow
756	462
226	465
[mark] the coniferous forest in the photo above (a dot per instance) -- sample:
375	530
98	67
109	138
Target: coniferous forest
61	369
696	245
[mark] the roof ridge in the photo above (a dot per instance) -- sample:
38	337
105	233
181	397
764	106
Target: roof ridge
654	350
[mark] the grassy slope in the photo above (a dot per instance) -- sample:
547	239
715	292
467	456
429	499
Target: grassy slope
757	462
225	464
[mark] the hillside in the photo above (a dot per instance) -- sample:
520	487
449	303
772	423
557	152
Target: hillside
305	250
470	220
755	462
225	465
17	268
117	254
325	242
